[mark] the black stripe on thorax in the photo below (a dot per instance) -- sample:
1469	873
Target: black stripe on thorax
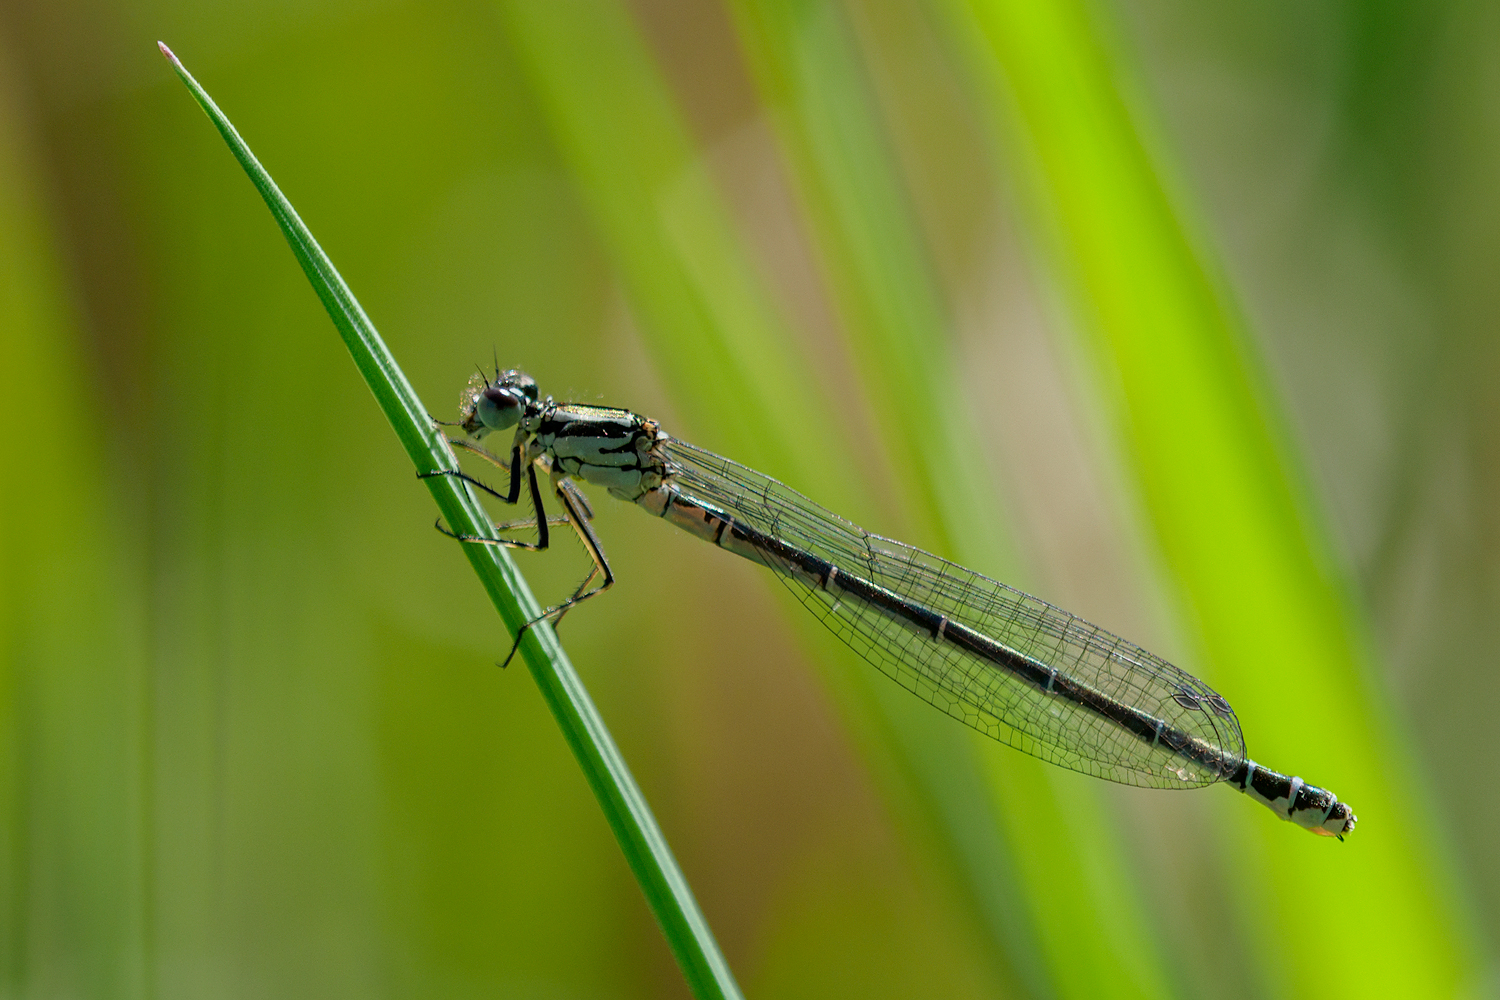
566	421
569	422
592	422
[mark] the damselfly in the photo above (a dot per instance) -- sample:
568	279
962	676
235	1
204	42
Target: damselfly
1011	666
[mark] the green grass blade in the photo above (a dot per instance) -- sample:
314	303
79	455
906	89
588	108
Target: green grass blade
1228	507
646	850
810	75
703	308
700	301
622	136
72	848
1086	923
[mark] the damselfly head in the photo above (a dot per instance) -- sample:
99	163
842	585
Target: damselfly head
497	405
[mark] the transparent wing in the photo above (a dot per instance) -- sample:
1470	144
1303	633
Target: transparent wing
970	688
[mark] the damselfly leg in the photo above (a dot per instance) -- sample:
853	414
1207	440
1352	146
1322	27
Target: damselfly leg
576	512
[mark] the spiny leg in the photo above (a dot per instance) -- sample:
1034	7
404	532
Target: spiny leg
525	522
505	543
474	448
579	513
464	444
514	468
463	477
578	496
541	522
580	501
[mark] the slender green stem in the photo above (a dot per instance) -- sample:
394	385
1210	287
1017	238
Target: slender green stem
635	828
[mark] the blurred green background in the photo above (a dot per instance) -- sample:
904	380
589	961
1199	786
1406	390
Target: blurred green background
1181	316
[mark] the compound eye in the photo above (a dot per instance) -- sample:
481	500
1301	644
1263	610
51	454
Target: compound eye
520	382
499	408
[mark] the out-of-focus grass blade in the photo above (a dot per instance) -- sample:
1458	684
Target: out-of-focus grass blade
1233	519
73	723
811	78
684	266
1086	923
645	849
741	379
